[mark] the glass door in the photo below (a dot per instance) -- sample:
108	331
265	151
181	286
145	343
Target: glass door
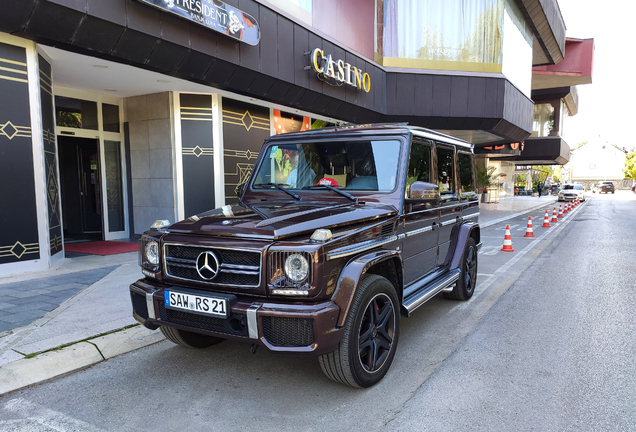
93	115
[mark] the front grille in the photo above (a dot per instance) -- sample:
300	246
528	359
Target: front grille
236	267
235	325
288	332
139	304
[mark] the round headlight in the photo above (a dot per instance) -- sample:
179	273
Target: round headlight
296	268
152	252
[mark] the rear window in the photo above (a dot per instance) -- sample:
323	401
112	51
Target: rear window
578	187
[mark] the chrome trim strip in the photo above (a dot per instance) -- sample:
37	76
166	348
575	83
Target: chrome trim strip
413	303
479	246
240	267
150	305
293	215
252	323
419	231
448	222
472	215
401	236
361	247
245	272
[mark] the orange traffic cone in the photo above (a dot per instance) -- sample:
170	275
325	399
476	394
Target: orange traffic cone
560	212
529	230
566	208
554	216
546	221
507	246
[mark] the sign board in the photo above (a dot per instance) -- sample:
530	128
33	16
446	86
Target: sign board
214	15
338	71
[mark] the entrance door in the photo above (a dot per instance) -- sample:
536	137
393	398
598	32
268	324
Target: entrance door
80	188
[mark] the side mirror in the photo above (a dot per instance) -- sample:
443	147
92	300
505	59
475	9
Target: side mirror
239	189
422	190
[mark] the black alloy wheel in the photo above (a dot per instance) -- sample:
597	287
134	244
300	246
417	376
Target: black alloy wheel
465	286
370	336
375	336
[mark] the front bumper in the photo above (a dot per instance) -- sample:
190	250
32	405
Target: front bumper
278	327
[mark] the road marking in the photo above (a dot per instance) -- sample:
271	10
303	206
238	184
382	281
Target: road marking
38	418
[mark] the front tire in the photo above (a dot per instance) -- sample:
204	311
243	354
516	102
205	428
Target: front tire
189	339
465	286
370	336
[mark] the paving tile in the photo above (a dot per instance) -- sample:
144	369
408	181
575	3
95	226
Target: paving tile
28	300
61	295
72	285
27	307
5	326
6	305
26	316
31	293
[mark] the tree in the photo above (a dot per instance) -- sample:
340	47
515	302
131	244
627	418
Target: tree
630	165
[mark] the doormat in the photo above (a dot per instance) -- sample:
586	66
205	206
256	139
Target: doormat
102	247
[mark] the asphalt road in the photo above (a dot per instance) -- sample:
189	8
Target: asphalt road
547	343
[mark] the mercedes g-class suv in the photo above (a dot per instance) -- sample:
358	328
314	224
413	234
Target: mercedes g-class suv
337	233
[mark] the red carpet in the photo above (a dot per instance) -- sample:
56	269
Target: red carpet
102	247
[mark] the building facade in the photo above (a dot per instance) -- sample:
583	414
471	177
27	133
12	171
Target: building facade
115	114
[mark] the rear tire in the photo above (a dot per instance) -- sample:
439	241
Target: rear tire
370	337
189	339
465	286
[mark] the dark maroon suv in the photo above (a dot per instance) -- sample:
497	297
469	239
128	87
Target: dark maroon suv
338	233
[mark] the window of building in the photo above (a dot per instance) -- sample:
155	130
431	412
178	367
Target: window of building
517	49
466	175
75	113
110	117
543	120
300	9
419	168
440	34
445	172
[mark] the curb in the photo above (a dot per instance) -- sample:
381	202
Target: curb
80	355
521	213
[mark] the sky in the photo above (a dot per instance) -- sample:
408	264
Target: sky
607	106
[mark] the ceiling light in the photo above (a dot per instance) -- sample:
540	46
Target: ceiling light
163	81
100	66
111	90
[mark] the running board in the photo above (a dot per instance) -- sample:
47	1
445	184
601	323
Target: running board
428	291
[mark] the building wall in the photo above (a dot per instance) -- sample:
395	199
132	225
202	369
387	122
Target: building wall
597	161
151	151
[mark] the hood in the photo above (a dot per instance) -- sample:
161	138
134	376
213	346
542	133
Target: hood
276	222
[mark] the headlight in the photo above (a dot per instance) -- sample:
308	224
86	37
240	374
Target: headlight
152	252
296	268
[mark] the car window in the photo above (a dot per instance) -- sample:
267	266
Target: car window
445	173
419	168
578	187
355	165
466	176
568	187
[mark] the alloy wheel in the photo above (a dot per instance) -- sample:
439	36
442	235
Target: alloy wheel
376	334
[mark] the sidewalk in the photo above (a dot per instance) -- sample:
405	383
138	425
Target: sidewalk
96	323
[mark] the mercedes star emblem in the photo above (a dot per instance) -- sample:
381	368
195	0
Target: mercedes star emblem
207	265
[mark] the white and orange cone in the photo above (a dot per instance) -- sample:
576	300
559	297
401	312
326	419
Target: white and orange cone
554	216
529	230
560	212
507	246
546	221
566	208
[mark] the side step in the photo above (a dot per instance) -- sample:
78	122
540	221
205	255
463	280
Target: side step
428	291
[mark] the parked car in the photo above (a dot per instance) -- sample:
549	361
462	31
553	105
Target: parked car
572	191
603	187
321	256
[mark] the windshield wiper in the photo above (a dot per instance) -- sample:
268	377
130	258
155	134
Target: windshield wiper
279	187
343	193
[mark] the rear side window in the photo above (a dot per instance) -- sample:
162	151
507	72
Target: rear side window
466	175
419	168
445	172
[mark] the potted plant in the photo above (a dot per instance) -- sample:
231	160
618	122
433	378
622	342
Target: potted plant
485	180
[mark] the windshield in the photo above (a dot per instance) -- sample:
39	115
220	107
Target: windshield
578	187
352	165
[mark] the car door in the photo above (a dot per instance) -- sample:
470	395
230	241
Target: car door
420	217
450	206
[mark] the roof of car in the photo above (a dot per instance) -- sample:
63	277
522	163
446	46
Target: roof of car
378	128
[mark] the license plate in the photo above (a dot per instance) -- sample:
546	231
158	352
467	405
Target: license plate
204	305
